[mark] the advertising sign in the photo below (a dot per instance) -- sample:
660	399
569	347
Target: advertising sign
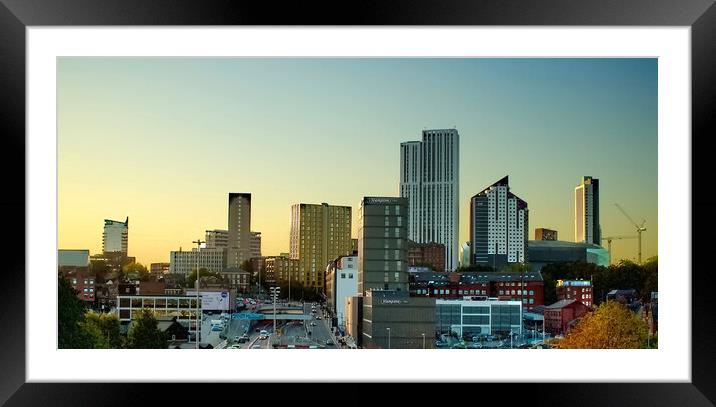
213	300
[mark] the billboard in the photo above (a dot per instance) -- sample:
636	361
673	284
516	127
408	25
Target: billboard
214	300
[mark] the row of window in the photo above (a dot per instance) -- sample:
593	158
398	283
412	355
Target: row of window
515	292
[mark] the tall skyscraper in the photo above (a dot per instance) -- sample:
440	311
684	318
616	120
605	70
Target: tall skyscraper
319	234
255	244
499	224
217	239
586	212
115	236
239	244
429	178
383	244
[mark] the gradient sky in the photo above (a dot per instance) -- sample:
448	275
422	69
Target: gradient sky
164	140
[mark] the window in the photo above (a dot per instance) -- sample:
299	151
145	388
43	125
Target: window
350	275
343	275
532	300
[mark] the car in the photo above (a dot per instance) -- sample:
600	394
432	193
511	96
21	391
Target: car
318	317
474	345
237	338
256	346
329	342
313	323
441	344
235	347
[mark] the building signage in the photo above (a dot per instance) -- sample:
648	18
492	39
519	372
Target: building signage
394	301
213	300
382	200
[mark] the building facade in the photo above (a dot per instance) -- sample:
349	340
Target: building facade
383	244
543	252
239	237
499	222
183	307
394	320
281	269
115	236
586	212
183	262
527	288
429	179
159	268
472	317
545	234
217	239
422	254
580	290
319	233
341	283
255	244
561	316
465	254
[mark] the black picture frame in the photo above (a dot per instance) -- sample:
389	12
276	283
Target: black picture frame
16	15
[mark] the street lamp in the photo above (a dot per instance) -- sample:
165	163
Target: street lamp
274	293
388	337
196	285
423	340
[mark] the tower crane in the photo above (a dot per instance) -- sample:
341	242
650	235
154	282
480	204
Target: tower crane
639	228
609	243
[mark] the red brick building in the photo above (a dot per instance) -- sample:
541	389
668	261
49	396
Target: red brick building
84	283
526	287
580	290
432	254
562	315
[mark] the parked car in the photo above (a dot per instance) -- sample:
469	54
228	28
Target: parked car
474	345
441	344
329	342
459	345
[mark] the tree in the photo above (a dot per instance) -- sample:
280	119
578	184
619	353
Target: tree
191	278
144	333
70	318
136	270
610	326
516	268
108	327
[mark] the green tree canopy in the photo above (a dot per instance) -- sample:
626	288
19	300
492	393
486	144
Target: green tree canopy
71	318
108	327
610	326
191	278
144	333
136	270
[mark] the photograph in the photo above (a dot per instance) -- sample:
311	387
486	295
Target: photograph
355	203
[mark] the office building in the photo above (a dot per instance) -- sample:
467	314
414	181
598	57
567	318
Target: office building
217	239
470	317
237	279
239	238
586	212
255	245
383	244
115	236
543	252
280	269
465	254
499	224
183	307
341	283
426	254
545	234
527	288
429	179
394	320
73	258
580	290
319	234
159	268
354	318
183	262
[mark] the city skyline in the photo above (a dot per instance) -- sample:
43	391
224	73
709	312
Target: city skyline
189	131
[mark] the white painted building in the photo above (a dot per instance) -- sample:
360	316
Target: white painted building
341	282
499	224
586	212
429	178
115	236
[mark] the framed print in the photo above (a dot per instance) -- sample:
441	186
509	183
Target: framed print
464	193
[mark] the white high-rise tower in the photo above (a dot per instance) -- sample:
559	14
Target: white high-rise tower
429	178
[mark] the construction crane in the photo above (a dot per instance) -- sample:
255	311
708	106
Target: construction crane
609	243
639	228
